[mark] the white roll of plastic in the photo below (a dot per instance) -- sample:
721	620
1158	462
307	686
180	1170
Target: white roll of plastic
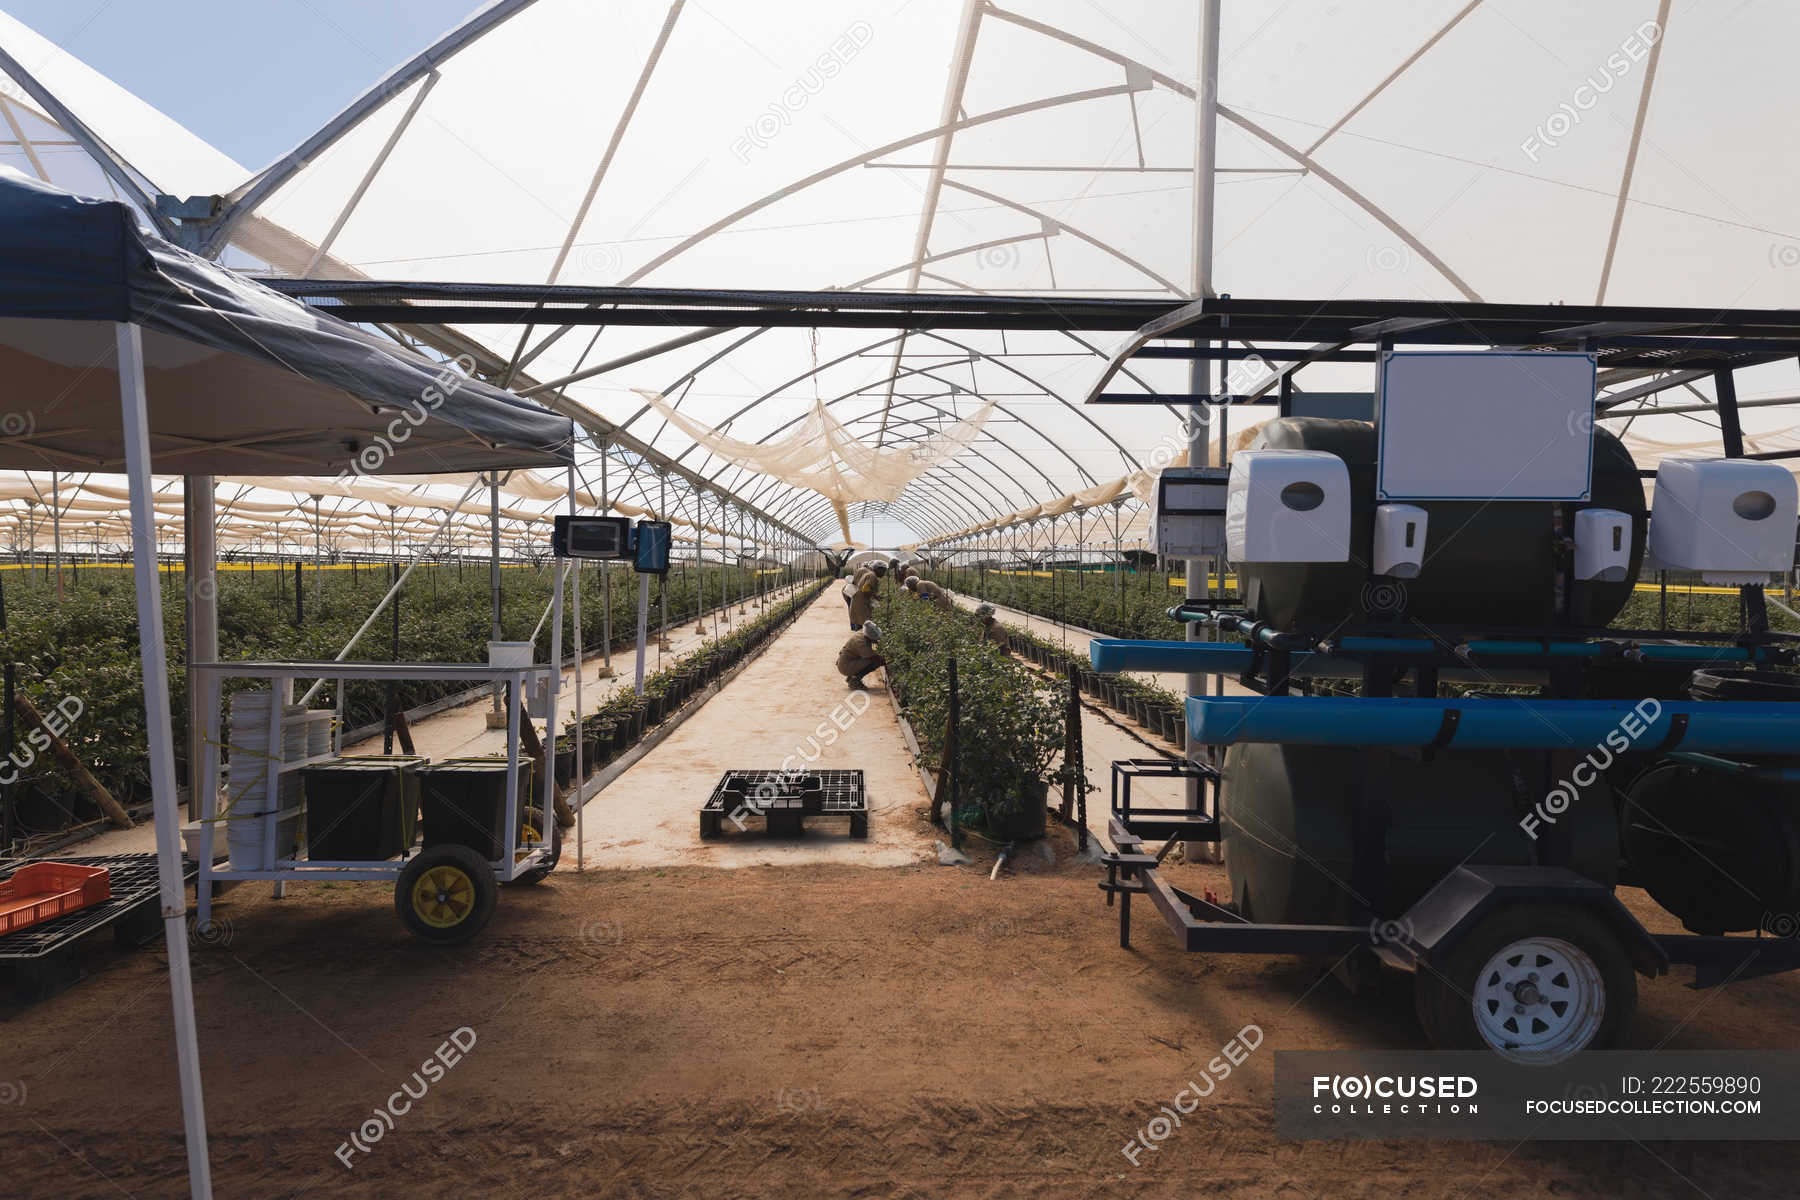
318	732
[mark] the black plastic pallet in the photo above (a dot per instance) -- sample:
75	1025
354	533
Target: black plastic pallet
37	958
782	801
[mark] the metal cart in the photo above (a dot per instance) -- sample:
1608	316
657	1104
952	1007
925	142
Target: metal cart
442	893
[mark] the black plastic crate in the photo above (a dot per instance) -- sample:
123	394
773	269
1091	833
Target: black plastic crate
361	809
783	801
464	803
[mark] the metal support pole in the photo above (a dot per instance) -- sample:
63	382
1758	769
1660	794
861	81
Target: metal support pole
56	529
160	737
662	583
1731	426
202	624
575	776
643	631
494	720
1206	120
606	635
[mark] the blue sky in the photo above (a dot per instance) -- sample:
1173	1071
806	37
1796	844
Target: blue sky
299	61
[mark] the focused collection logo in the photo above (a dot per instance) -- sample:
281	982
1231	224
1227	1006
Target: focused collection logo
1395	1095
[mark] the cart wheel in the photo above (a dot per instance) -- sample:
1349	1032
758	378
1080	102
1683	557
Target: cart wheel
446	894
1534	983
539	873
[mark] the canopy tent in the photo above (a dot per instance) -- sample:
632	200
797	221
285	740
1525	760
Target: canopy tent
93	304
225	356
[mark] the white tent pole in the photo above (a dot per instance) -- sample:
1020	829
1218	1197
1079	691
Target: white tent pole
160	734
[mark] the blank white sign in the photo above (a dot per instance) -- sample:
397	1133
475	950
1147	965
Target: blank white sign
1485	425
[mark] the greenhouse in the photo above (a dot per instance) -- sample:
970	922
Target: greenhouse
540	541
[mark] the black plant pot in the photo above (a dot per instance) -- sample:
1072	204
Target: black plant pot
565	766
591	749
1027	820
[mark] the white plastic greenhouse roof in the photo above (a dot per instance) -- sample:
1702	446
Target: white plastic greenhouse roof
1502	150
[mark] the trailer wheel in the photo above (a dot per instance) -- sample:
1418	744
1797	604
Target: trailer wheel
540	873
1534	983
446	894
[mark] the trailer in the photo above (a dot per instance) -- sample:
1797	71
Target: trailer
1443	753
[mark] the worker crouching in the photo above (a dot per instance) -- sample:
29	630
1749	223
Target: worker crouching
991	629
924	589
859	655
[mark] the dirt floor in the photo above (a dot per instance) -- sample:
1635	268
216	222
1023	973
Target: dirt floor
882	1027
766	1031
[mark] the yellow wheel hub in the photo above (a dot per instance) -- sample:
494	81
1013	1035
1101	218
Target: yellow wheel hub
444	897
528	833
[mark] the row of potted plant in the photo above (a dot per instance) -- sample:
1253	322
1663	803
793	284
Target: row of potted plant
1155	708
623	720
1134	604
1010	727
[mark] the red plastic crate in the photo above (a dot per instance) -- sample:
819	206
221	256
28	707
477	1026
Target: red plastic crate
39	891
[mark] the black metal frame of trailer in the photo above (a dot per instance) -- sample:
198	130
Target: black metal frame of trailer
40	958
1427	931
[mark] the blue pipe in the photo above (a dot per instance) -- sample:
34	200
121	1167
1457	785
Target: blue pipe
1200	658
1233	658
1723	726
1679	652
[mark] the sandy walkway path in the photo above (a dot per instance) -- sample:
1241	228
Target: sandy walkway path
774	709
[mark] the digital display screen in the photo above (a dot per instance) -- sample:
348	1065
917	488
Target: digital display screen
594	538
591	537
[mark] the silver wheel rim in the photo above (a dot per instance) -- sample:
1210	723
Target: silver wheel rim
1539	1000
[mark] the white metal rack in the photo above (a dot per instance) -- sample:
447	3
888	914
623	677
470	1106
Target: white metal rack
281	677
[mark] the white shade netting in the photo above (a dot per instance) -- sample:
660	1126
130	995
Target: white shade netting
823	456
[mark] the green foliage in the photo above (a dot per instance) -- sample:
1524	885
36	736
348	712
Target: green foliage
1128	604
86	645
1688	609
1011	728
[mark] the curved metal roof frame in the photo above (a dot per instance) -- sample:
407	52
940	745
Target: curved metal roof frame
242	203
